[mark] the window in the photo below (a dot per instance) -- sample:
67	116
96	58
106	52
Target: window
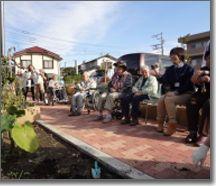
193	45
48	64
26	63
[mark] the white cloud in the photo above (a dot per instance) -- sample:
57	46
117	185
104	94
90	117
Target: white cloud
75	21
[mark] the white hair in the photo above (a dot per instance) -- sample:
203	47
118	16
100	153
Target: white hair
145	67
86	73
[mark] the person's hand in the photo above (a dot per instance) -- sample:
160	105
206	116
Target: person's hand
205	79
139	93
196	75
112	90
169	94
199	155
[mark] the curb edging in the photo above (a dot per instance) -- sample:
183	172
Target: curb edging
117	166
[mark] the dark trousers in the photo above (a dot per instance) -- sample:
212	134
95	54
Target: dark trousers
205	115
192	107
41	95
52	92
134	100
27	89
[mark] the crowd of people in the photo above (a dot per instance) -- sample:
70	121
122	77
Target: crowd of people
39	84
179	85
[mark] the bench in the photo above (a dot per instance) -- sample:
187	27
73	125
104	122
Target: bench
152	112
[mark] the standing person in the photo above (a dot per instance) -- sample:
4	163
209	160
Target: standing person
19	82
178	78
144	89
52	86
118	87
78	98
39	85
30	77
201	79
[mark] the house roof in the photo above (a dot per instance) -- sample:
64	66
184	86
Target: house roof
193	37
106	55
38	50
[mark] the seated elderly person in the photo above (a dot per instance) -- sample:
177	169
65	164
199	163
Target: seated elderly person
78	97
144	89
104	92
120	85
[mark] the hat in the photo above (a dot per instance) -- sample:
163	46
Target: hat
121	64
116	63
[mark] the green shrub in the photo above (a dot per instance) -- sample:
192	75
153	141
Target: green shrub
71	79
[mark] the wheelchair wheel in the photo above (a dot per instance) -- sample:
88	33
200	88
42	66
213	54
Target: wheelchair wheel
95	99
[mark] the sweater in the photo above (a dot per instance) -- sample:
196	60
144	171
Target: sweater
178	79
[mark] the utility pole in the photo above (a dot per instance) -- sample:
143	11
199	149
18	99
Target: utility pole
2	45
1	48
159	46
76	66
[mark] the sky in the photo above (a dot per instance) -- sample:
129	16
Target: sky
84	30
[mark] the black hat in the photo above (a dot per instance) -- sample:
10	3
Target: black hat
116	63
122	65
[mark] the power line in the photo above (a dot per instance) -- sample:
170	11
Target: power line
73	53
59	39
46	40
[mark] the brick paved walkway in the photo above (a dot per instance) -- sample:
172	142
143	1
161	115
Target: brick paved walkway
141	146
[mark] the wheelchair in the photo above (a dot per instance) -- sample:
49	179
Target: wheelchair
91	100
116	112
61	96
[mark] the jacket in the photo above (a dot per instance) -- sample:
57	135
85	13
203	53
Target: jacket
149	88
86	85
122	84
178	79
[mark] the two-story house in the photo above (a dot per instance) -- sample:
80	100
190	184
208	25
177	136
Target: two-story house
40	58
196	44
102	62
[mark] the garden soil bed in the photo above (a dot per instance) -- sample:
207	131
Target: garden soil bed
55	159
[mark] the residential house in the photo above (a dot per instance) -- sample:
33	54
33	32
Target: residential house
196	44
102	62
40	58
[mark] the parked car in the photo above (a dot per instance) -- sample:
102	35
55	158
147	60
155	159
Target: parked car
135	60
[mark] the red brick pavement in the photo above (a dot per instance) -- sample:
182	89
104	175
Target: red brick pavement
140	146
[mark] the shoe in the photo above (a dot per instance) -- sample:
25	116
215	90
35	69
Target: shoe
160	126
107	119
134	122
125	121
191	138
98	118
72	114
201	140
78	113
170	130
